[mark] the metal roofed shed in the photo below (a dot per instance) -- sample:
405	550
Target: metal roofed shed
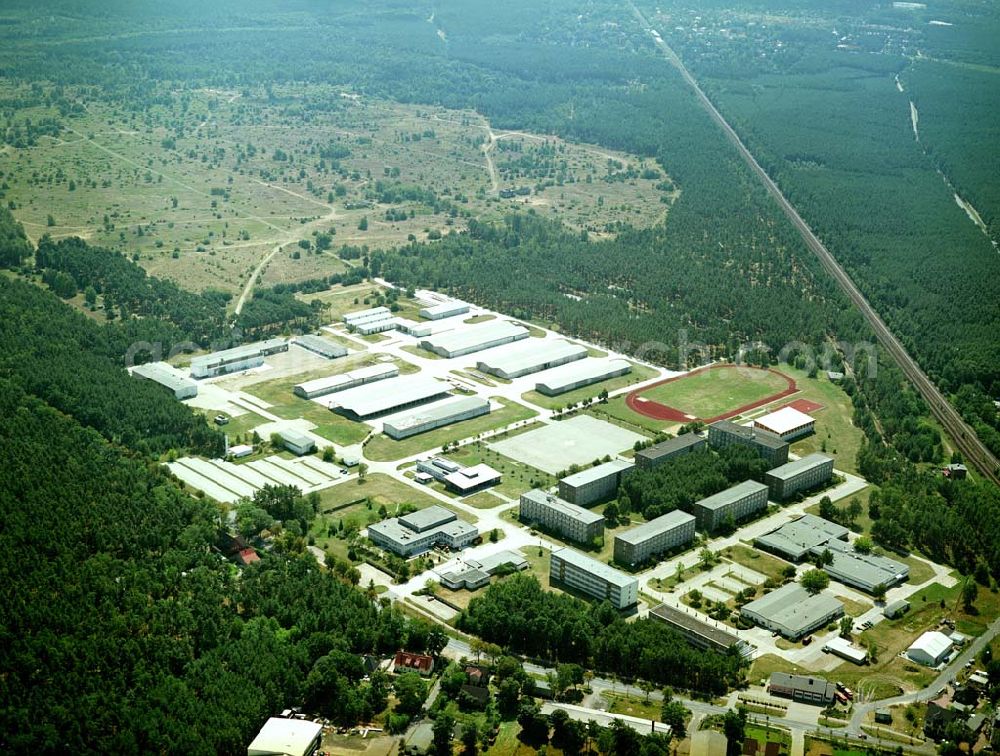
657	454
413	328
531	356
297	442
930	649
579	374
388	396
786	423
846	650
699	633
896	609
437	415
238	358
444	310
333	383
322	347
869	572
168	377
286	737
792	612
474	339
795	539
360	316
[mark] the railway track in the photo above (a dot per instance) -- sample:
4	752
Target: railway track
965	438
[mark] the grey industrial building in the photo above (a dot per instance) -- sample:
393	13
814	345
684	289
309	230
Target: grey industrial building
474	339
698	633
725	433
163	375
593	578
421	530
803	688
792	611
437	415
531	356
470	578
595	484
393	395
319	345
297	442
869	572
796	539
334	383
444	310
579	374
801	475
476	572
655	455
735	504
655	537
236	359
562	517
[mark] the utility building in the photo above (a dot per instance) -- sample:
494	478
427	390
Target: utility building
236	359
343	381
792	611
579	374
474	339
801	475
869	572
319	345
296	442
370	327
561	517
437	415
724	433
655	455
593	578
168	377
655	537
530	356
595	484
810	690
734	505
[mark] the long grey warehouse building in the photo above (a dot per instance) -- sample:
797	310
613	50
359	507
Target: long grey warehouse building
164	375
734	504
333	383
869	572
655	537
319	345
236	359
725	433
392	395
530	357
560	516
428	418
596	483
655	455
474	339
800	475
698	633
792	611
579	374
593	578
795	540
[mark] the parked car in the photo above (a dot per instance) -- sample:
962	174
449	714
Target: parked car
221	419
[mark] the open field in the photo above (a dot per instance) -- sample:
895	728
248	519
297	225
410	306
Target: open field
205	190
758	561
381	448
715	391
639	374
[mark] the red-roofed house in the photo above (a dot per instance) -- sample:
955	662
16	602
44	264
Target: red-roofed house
246	556
406	661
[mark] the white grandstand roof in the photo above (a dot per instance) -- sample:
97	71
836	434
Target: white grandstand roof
581	370
388	394
785	420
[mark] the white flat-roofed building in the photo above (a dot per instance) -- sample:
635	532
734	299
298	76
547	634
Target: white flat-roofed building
846	650
421	530
568	520
444	310
286	737
787	423
369	327
801	475
168	377
239	451
334	383
360	316
655	537
579	374
321	346
595	484
437	415
474	339
472	478
735	504
531	356
930	649
393	395
493	562
413	328
238	358
792	611
593	578
296	442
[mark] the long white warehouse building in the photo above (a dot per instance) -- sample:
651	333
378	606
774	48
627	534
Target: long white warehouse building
167	377
530	357
579	374
344	381
392	395
474	339
428	418
236	359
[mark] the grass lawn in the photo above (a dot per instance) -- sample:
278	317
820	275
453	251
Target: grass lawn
766	664
483	500
712	392
616	409
479	319
758	561
340	299
538	565
517	476
633	705
381	448
418	352
769	735
639	374
854	608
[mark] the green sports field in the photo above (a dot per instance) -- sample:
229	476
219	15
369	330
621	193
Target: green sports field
709	393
